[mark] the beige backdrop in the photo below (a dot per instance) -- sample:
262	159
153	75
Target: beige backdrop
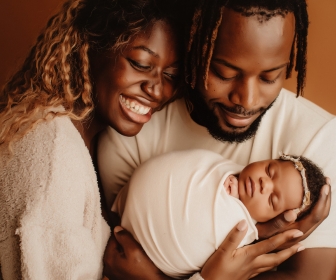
21	21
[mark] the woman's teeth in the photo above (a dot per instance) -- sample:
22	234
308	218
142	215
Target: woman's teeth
134	106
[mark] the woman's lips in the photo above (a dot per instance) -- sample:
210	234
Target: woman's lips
134	110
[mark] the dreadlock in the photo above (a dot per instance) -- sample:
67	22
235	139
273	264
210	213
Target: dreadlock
207	17
57	69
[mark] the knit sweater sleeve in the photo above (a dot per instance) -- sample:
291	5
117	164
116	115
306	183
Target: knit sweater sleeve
50	204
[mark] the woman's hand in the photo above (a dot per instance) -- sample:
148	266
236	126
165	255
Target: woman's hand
124	258
246	262
307	225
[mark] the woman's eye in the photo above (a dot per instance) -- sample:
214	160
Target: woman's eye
172	76
139	66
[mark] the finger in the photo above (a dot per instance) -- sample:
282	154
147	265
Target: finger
318	213
269	261
126	240
276	225
234	237
272	243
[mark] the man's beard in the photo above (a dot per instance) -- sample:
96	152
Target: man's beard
206	117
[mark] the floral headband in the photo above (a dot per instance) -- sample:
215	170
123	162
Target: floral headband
299	166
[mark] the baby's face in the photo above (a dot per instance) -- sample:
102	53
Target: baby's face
268	188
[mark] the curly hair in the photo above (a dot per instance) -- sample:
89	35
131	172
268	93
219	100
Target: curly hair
57	70
315	181
207	17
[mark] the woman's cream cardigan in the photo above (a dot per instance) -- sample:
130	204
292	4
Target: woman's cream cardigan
51	225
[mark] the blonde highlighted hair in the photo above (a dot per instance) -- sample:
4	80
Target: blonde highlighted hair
57	69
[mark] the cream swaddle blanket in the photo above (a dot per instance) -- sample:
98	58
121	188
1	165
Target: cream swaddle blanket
176	207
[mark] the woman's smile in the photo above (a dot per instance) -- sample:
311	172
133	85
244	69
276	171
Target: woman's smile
136	111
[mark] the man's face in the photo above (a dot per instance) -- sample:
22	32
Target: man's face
270	187
246	73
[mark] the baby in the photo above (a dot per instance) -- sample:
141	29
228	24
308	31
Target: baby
181	205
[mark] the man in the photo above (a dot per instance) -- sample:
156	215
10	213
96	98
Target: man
239	54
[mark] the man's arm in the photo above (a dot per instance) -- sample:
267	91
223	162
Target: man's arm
314	263
125	259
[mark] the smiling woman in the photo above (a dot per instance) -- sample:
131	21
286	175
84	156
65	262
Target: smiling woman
97	63
135	82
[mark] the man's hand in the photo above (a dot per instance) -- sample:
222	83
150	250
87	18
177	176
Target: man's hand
307	225
246	262
125	259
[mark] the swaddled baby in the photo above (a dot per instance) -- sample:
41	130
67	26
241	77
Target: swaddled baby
180	206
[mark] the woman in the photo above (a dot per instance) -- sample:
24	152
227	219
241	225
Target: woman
97	63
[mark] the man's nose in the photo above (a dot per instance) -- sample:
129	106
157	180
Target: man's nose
153	87
246	93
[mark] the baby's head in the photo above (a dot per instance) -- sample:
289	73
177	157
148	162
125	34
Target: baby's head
270	187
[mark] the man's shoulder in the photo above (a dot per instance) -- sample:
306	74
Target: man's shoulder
289	101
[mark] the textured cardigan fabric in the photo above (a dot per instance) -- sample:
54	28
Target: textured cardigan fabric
51	225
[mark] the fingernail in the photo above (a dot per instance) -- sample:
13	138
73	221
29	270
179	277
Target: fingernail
328	180
242	225
326	190
301	248
298	234
290	216
118	228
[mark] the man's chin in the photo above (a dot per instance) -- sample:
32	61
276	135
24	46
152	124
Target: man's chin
237	135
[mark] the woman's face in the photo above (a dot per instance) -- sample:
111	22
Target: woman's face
131	84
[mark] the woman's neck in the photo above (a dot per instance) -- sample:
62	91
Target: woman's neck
89	131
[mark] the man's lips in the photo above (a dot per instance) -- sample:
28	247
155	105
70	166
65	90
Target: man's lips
249	187
237	120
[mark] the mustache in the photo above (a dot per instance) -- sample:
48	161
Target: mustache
240	110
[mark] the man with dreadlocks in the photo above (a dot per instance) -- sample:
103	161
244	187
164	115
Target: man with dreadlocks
238	55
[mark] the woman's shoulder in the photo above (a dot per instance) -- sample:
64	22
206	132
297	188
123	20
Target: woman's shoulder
40	149
51	160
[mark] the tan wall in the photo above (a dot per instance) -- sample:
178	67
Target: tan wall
20	24
21	21
321	73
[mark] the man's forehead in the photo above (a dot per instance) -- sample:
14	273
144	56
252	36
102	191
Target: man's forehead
239	35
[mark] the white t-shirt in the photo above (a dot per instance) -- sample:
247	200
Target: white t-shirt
293	125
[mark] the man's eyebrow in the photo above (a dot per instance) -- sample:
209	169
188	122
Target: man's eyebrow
146	50
227	64
276	68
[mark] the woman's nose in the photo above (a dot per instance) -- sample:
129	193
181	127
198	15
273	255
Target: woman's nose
246	94
153	87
